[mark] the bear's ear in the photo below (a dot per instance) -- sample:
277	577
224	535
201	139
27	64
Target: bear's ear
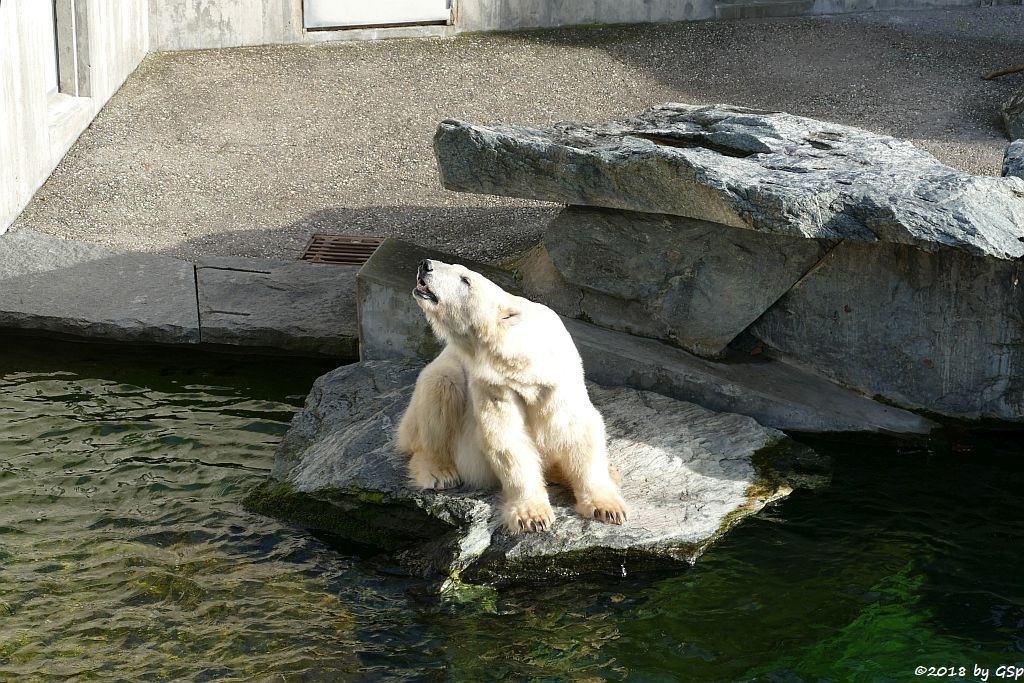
509	316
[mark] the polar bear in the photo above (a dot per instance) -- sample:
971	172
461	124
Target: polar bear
504	403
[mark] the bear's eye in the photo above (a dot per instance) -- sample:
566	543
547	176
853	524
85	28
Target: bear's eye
465	280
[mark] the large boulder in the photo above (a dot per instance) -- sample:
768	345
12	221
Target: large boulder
1013	115
1013	159
854	255
766	171
693	283
688	473
943	332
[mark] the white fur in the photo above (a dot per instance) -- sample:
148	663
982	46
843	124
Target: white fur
505	402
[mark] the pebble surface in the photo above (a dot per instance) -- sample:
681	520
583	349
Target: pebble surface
248	151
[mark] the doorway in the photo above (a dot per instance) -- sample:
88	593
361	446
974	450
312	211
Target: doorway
332	14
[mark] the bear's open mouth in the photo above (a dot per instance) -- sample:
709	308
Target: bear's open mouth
423	292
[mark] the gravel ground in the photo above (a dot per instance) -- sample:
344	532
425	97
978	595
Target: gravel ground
248	151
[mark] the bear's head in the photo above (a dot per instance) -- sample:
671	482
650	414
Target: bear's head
462	306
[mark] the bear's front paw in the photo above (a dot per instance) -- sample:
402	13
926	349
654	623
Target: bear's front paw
428	475
530	514
606	506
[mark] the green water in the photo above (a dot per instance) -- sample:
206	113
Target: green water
125	554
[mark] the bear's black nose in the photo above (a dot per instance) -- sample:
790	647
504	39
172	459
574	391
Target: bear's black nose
425	267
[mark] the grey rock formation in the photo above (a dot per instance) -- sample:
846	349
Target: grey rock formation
1013	115
1013	159
688	473
774	393
766	171
86	290
942	332
694	283
289	305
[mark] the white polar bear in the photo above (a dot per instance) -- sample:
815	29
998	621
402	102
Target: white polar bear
504	402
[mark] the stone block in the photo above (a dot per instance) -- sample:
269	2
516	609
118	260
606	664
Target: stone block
391	325
86	290
294	306
695	284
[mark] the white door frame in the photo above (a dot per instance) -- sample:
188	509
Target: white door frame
341	14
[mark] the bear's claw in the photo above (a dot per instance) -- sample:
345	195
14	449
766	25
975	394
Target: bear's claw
529	516
617	517
608	507
445	479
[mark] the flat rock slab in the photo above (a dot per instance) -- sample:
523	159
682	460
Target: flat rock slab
289	305
772	392
766	171
693	283
688	473
86	290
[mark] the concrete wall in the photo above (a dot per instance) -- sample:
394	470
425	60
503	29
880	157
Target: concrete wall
507	15
202	24
198	24
36	127
502	15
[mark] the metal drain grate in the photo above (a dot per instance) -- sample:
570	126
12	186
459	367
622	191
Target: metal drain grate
352	250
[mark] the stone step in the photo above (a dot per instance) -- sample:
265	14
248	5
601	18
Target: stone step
295	306
80	289
85	290
772	392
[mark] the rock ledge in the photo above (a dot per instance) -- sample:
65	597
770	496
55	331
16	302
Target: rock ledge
760	170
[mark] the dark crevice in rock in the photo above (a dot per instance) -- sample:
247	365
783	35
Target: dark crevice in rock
237	270
694	140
